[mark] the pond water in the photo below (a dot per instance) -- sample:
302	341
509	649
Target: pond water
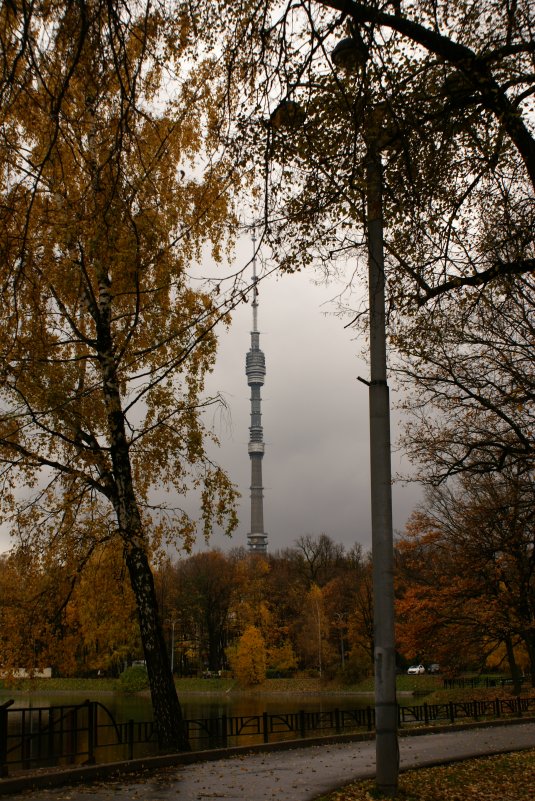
196	705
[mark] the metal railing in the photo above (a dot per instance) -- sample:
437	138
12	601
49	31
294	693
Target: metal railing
452	712
77	734
267	727
488	682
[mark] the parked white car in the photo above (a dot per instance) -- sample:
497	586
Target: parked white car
416	669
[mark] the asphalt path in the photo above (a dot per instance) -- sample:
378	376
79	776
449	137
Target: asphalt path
297	774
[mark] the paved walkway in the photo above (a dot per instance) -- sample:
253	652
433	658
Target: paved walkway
299	774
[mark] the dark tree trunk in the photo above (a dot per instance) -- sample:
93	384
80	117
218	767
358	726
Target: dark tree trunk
515	670
529	640
215	620
120	491
165	704
214	649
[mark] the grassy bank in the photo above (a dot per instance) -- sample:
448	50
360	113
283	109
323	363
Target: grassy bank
430	686
87	686
184	686
507	777
303	684
306	685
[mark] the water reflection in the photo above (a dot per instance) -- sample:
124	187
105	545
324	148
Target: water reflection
198	707
137	707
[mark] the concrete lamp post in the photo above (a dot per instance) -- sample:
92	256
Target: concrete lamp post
387	750
350	55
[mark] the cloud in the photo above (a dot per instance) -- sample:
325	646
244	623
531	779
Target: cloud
315	418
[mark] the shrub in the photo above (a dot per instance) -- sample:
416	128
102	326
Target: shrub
134	679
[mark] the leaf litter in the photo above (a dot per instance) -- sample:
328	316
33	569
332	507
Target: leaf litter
506	777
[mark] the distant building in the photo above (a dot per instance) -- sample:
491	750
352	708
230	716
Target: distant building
23	673
255	369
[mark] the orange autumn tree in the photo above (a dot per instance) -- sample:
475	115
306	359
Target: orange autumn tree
108	196
312	630
490	518
56	613
454	604
439	607
34	632
257	605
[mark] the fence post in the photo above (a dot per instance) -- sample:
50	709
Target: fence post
369	718
3	737
337	721
25	744
51	723
302	724
452	712
426	713
265	727
224	729
91	721
130	738
519	706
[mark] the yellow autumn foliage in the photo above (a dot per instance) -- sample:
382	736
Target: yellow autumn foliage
248	658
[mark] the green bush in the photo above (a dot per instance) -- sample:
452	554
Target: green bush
134	679
272	673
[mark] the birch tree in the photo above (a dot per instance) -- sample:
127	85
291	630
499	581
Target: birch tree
108	198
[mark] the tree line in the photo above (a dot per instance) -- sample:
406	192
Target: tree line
306	608
464	598
466	576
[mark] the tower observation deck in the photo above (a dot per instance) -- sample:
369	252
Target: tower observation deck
255	369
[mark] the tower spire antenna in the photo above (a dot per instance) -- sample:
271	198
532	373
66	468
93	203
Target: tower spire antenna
255	370
255	290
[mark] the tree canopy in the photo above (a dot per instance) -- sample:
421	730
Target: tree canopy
453	82
466	574
446	92
111	191
470	383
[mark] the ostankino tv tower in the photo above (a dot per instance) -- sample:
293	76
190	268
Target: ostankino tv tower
255	369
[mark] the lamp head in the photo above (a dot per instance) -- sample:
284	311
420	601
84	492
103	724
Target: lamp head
350	54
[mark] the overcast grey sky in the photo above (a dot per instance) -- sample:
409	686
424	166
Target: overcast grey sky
314	414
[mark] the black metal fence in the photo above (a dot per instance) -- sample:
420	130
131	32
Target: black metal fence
268	727
74	734
452	712
66	734
488	682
